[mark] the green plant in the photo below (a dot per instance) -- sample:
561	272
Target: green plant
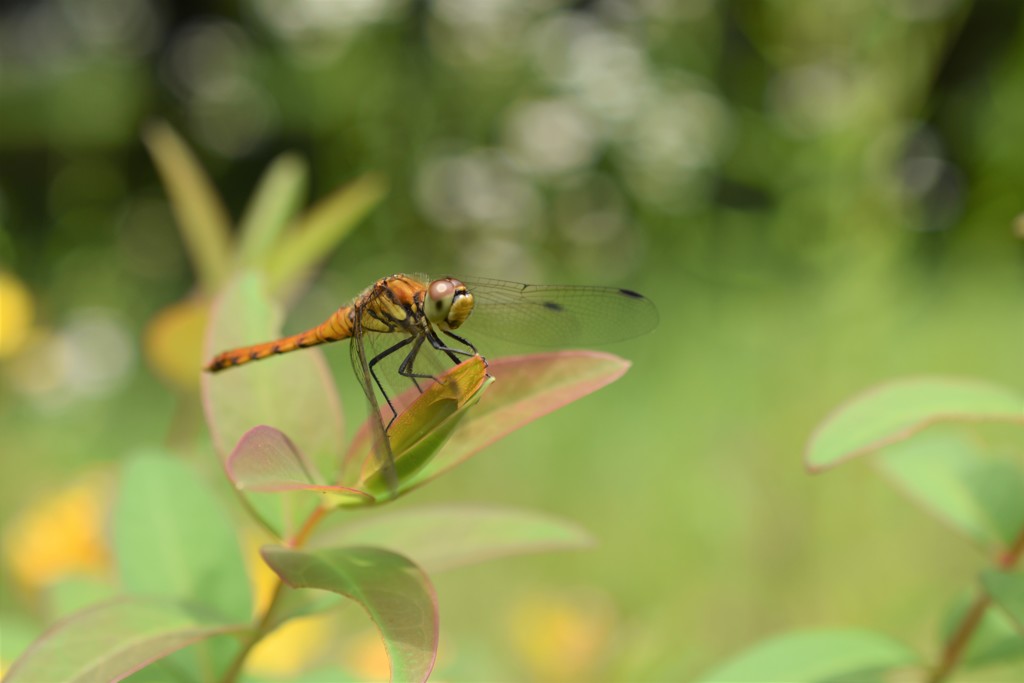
921	432
185	610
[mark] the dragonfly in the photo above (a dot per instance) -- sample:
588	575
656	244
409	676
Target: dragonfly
406	328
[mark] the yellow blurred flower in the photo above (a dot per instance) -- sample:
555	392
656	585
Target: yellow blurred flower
17	311
364	655
59	536
173	342
300	643
561	636
264	580
287	650
291	648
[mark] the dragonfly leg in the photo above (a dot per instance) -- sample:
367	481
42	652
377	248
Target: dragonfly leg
406	369
381	356
467	343
436	342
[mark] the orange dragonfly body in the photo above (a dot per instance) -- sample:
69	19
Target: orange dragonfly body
412	312
393	304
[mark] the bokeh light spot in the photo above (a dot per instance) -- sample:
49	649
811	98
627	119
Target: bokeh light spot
17	312
59	535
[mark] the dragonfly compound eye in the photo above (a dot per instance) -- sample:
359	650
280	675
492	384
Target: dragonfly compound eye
438	302
448	303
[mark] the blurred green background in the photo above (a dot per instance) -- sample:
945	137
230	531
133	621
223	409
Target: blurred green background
817	196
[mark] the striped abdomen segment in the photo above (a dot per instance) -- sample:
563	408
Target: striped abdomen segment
335	328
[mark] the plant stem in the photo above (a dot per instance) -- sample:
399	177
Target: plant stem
962	636
307	527
261	629
958	643
265	623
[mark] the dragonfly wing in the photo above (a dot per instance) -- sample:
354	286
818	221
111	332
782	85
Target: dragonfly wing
557	315
377	359
361	364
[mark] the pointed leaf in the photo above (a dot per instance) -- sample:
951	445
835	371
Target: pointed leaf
448	536
421	430
897	410
525	388
814	656
1007	591
396	594
951	476
320	230
110	641
173	539
266	460
277	198
200	214
293	393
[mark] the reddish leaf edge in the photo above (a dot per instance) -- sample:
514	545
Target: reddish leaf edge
426	475
431	591
308	467
321	538
61	623
356	461
906	432
443	429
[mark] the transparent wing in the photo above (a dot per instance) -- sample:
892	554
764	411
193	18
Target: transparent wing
377	359
556	315
384	361
361	365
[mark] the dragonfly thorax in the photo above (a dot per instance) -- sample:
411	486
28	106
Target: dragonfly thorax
448	303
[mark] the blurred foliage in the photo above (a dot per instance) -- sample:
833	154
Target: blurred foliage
817	196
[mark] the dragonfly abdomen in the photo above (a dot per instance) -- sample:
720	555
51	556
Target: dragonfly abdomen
335	328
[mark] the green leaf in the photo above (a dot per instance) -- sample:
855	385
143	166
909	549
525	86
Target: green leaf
444	537
200	214
422	429
954	479
109	641
321	229
396	594
74	593
525	388
814	656
173	539
278	197
293	393
1007	591
897	410
17	634
266	460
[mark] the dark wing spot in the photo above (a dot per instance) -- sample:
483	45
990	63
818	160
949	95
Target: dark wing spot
276	348
254	355
552	306
630	293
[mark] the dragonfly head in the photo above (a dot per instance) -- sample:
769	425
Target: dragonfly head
448	303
